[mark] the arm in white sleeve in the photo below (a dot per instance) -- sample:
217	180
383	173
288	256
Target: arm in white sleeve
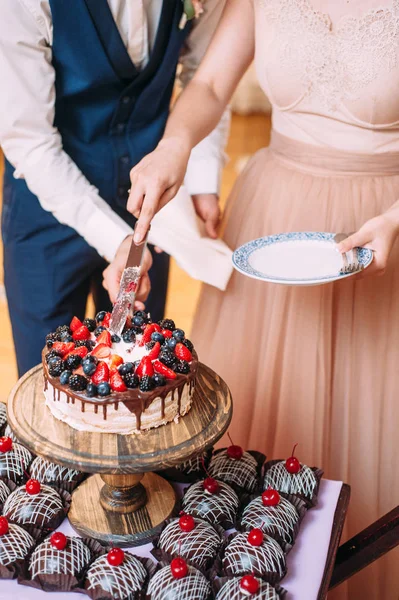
207	159
31	142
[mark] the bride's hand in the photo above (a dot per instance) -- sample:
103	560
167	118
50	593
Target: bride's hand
378	234
208	209
155	180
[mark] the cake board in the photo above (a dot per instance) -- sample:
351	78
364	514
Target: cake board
124	503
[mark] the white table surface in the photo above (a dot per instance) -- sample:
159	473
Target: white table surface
306	561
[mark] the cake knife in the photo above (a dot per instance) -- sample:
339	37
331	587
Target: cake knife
129	284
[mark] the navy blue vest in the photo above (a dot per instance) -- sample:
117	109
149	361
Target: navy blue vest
109	114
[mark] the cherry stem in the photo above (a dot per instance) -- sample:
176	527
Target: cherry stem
179	549
204	467
231	441
293	450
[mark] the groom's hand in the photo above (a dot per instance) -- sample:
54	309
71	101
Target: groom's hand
113	273
208	210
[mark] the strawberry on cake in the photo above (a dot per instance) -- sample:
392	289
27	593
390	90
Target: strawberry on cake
97	381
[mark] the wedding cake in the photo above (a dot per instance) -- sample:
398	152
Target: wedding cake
100	382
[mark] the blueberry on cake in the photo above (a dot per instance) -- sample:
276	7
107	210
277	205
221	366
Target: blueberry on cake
50	473
193	539
248	588
274	515
118	574
15	544
35	504
102	382
292	477
178	581
213	501
14	460
257	553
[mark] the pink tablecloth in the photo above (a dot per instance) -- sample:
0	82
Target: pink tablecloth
306	562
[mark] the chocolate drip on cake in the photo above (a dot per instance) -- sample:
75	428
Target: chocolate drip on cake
163	586
122	582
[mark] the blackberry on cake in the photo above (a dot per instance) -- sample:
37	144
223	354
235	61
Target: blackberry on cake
91	324
36	505
139	382
178	581
167	324
15	459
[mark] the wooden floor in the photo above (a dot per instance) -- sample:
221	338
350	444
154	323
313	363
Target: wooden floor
248	134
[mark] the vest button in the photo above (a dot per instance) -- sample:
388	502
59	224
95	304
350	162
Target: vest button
126	99
122	191
125	160
120	128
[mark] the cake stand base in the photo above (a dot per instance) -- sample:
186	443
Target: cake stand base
89	519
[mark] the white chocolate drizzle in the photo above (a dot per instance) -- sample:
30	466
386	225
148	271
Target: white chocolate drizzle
47	560
242	472
121	581
280	519
303	483
232	591
241	557
15	544
14	463
163	586
214	508
198	546
48	472
3	414
38	509
4	492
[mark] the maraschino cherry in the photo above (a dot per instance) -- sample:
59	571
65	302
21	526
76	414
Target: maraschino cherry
186	523
58	540
5	444
270	497
255	537
211	485
3	526
234	452
292	464
115	557
179	568
249	584
33	487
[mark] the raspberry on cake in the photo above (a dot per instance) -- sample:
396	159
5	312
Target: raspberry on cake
101	382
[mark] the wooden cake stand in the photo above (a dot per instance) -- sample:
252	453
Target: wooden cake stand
124	504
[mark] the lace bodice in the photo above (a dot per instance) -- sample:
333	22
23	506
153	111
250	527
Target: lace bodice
333	60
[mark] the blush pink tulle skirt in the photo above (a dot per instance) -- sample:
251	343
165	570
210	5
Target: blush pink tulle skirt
317	365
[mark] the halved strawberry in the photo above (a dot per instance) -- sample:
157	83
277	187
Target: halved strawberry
63	348
82	333
183	353
115	361
101	351
106	319
101	373
166	333
75	324
82	351
145	367
116	382
148	331
163	370
154	352
105	338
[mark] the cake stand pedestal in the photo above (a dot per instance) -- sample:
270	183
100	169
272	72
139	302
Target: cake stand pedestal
125	503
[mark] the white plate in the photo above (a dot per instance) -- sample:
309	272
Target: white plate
304	258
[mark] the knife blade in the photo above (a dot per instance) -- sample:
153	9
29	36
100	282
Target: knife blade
128	287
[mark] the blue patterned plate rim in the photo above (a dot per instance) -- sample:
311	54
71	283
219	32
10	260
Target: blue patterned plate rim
242	254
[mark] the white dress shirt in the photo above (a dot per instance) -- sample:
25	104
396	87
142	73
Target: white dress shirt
27	106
